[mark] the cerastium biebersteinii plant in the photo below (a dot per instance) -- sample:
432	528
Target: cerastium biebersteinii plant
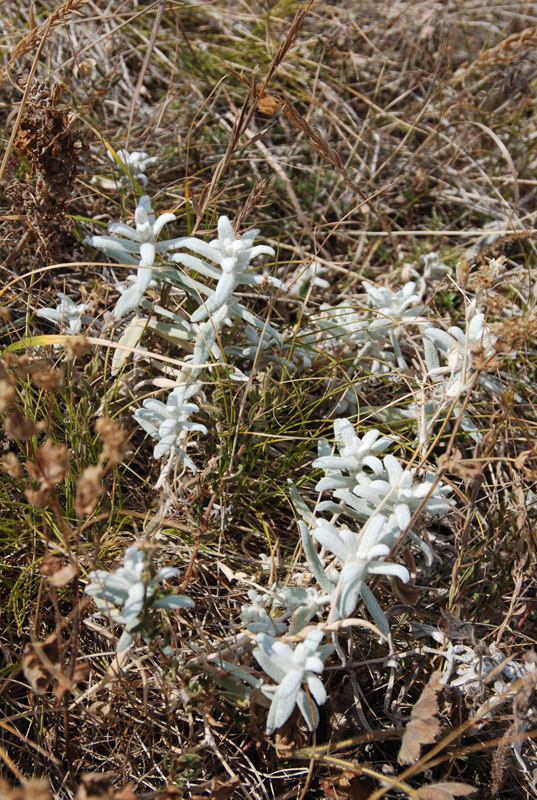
378	498
383	495
137	246
369	501
227	262
131	594
291	668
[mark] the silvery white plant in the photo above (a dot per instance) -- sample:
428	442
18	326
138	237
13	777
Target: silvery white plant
124	245
263	350
389	312
450	363
299	604
343	324
342	330
256	615
354	455
290	668
397	492
372	329
232	256
206	345
472	669
261	347
389	487
134	163
290	356
373	334
360	555
68	315
430	272
385	497
170	423
306	277
401	306
131	592
459	347
282	609
136	245
433	269
129	166
475	671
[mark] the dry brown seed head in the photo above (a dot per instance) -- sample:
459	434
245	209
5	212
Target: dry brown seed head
37	497
114	439
11	466
22	428
88	490
7	394
268	104
85	68
18	364
77	345
51	465
45	377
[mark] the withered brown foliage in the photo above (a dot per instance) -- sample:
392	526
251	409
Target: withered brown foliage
423	726
43	669
502	245
47	138
96	786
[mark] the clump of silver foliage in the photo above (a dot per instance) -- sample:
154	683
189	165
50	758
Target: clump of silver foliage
370	502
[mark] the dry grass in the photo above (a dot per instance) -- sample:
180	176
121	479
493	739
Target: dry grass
391	129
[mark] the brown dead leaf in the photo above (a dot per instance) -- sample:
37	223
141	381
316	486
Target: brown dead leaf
100	709
223	787
42	669
423	727
407	592
348	786
80	675
454	463
462	271
446	790
62	576
125	793
55	573
456	629
35	671
98	786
